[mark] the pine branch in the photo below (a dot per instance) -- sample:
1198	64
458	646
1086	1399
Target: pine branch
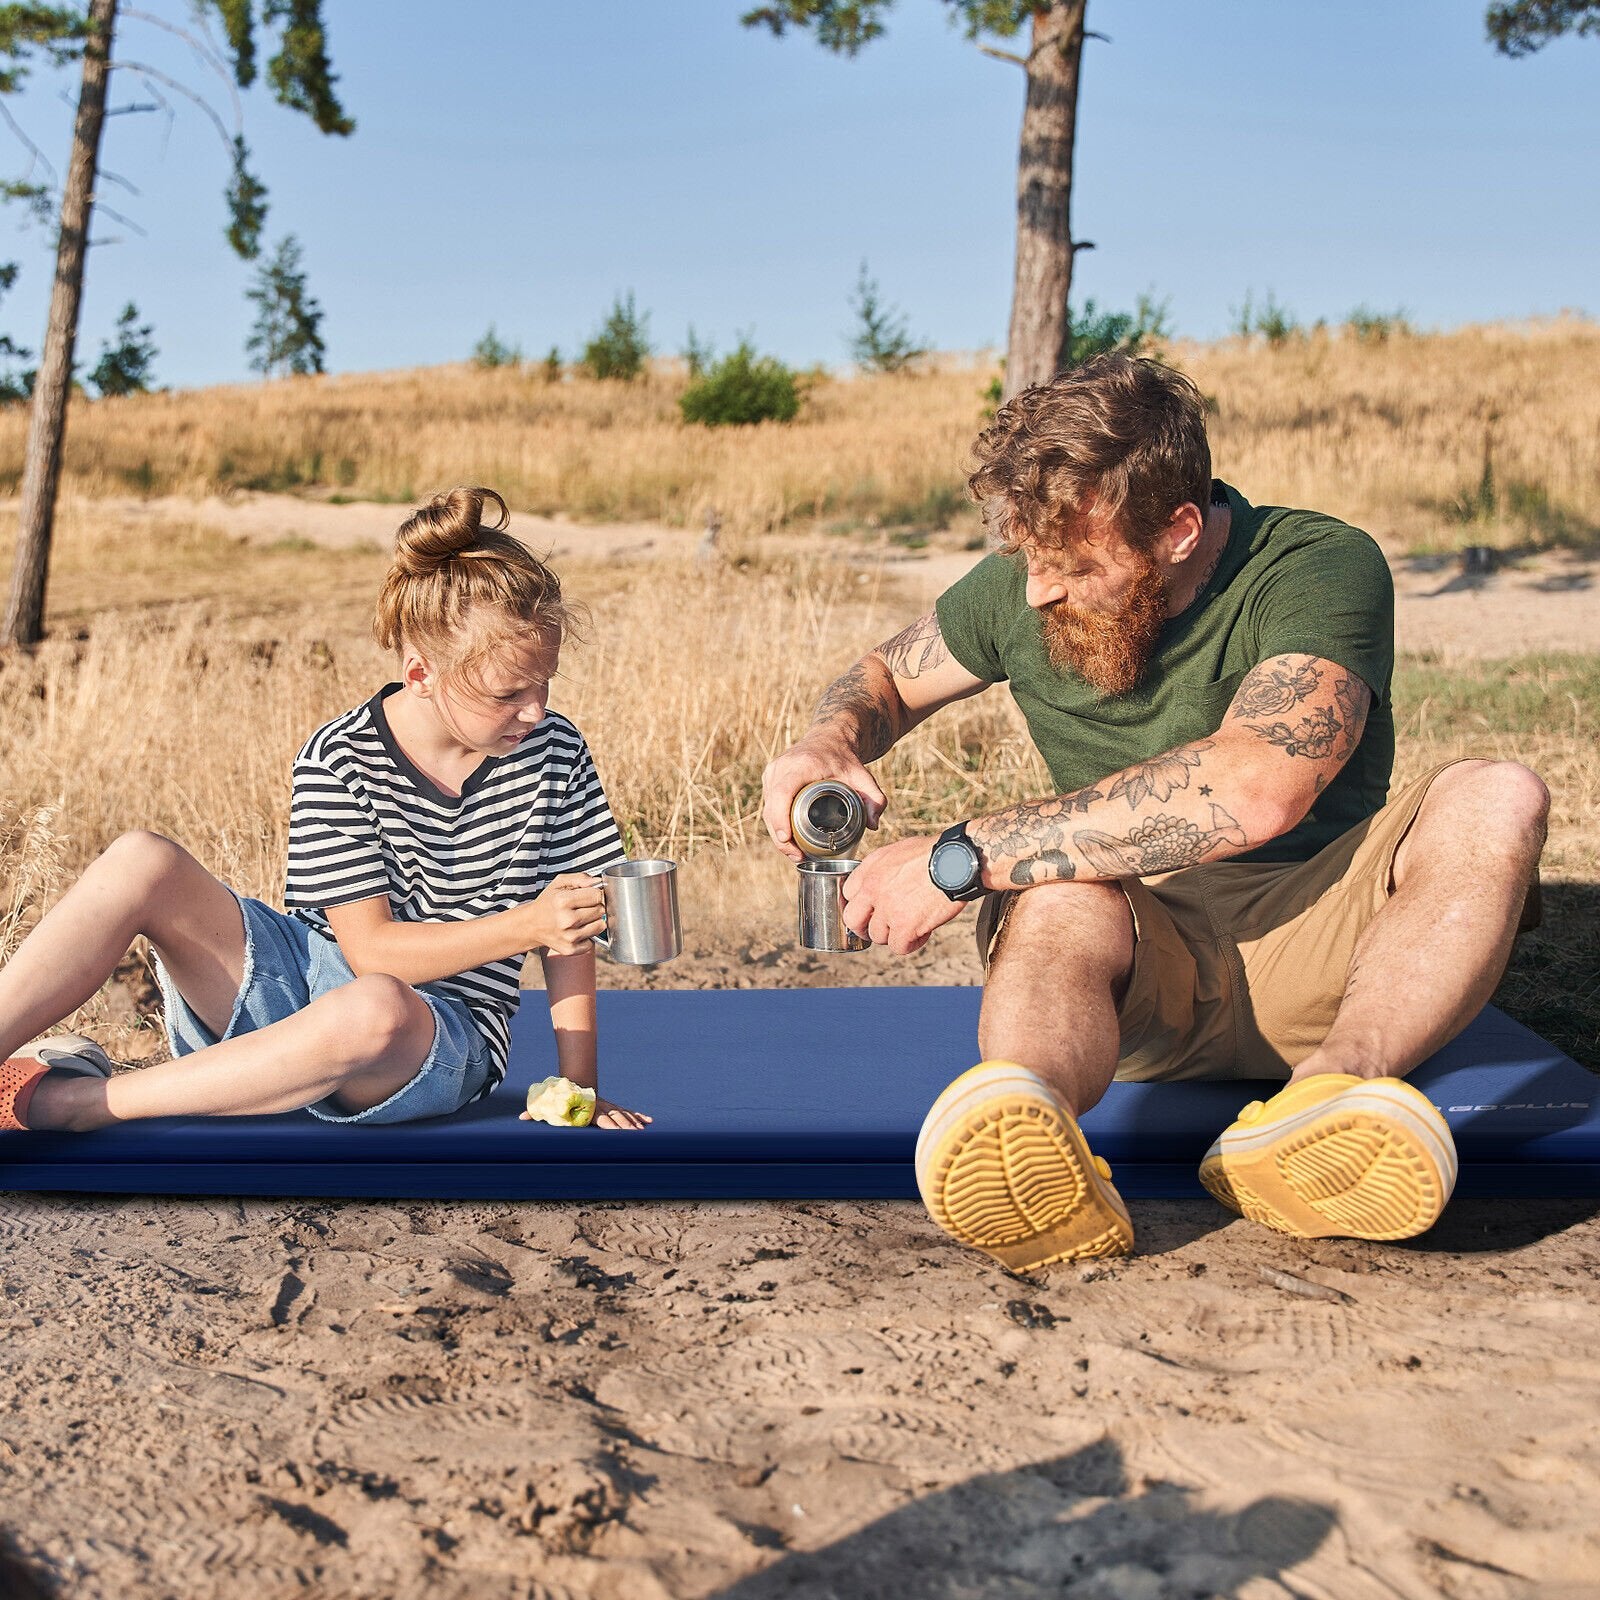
202	48
35	154
155	75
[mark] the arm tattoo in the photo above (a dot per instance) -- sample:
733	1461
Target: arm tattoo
852	695
1274	688
1325	732
1354	699
1159	844
916	649
1047	867
1313	736
1157	778
1036	833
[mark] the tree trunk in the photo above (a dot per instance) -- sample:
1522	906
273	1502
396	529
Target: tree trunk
47	422
1040	328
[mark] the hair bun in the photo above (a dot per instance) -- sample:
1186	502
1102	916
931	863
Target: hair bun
447	527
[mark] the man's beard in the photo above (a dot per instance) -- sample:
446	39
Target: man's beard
1108	649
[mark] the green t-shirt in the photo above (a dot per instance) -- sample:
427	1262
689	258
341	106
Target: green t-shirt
1289	582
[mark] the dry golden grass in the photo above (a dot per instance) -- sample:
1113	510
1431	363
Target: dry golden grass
1394	437
181	710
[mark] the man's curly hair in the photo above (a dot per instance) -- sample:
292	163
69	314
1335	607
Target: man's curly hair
1120	440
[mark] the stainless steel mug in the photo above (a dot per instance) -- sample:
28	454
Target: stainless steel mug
827	819
642	925
822	924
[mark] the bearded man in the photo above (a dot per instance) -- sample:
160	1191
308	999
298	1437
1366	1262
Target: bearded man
1221	887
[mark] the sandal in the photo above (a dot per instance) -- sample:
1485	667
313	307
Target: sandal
22	1073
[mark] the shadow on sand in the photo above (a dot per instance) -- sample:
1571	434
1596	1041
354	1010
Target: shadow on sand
1477	1224
1038	1529
18	1581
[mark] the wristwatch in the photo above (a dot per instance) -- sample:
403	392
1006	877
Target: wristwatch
955	866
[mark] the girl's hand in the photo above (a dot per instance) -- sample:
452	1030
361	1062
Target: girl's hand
567	915
607	1115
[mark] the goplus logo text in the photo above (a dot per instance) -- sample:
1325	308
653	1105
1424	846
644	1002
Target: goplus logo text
1527	1105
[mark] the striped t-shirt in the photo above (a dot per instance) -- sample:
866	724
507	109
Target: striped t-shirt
363	821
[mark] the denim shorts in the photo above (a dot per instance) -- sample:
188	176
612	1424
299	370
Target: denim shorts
287	965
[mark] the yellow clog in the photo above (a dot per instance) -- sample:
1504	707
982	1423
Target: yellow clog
1336	1157
1002	1166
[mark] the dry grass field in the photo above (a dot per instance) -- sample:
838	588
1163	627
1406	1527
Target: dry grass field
1490	435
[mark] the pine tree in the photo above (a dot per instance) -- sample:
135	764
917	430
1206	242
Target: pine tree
16	380
286	336
621	347
301	77
125	366
880	342
1039	342
1519	27
492	351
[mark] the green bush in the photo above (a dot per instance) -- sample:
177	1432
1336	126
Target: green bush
492	351
1376	327
1142	331
1276	323
620	349
742	388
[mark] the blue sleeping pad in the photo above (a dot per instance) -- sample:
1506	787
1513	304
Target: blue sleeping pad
795	1094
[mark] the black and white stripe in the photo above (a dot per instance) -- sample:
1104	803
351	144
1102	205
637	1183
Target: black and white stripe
364	821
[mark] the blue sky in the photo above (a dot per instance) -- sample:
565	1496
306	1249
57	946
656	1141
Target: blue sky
530	160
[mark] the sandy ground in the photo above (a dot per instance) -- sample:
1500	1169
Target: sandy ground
1549	601
363	1399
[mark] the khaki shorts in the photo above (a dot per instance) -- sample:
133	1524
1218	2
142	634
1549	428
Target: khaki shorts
1239	967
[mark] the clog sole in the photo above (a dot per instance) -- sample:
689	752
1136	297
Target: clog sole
1375	1161
1003	1168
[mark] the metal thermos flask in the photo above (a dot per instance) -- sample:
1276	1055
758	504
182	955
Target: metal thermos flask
827	819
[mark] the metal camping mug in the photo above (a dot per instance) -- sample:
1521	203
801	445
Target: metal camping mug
642	925
822	924
827	819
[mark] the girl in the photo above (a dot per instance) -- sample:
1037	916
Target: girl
436	834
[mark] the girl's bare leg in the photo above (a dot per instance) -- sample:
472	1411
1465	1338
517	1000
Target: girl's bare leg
361	1042
142	884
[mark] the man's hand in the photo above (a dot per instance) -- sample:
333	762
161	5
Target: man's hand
567	915
813	759
891	899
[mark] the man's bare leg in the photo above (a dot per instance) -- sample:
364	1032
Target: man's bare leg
1430	959
1050	1000
1347	1148
1001	1163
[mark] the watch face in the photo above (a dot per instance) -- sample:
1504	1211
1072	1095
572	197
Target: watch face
951	865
